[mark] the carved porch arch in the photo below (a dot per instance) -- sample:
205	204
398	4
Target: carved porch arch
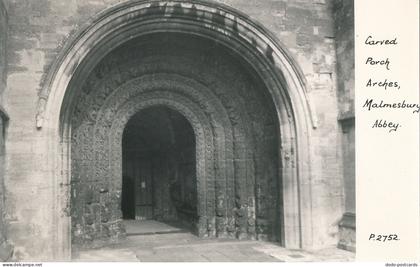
191	99
204	146
232	29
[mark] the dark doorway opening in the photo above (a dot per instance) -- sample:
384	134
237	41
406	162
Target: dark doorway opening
159	168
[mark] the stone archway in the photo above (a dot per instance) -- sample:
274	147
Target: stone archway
235	132
236	33
159	170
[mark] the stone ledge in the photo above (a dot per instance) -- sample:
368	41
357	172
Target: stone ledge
347	232
346	116
348	220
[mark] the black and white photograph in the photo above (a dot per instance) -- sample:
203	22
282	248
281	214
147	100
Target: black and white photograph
178	131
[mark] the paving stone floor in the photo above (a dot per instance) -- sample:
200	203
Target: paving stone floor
184	246
147	227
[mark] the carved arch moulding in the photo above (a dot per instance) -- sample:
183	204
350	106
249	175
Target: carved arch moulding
232	29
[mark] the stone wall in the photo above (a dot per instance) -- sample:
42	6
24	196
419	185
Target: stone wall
38	30
5	248
3	44
3	55
344	28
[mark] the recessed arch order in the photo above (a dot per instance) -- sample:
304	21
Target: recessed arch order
229	27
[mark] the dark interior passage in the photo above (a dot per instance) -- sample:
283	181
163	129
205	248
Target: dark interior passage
159	172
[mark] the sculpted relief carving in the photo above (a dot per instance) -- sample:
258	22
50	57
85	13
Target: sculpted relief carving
234	123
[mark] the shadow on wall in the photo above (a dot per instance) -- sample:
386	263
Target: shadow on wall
6	249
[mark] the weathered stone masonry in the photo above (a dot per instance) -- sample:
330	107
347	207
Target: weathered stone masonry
6	249
344	28
237	144
71	90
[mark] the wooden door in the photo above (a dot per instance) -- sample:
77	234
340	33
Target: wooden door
143	188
